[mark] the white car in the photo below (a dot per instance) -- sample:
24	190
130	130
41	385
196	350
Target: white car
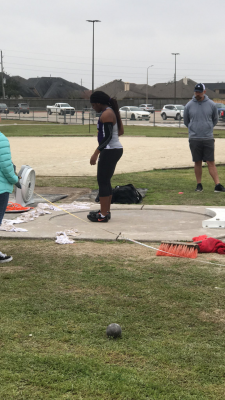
175	111
147	107
134	113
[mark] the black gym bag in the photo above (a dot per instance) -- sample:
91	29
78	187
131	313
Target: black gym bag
126	194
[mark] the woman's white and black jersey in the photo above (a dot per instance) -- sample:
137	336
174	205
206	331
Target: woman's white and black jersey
108	137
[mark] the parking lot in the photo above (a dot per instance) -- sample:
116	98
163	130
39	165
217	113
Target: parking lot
82	117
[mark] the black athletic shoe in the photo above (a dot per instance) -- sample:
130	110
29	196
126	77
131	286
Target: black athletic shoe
199	188
97	218
4	258
219	188
97	212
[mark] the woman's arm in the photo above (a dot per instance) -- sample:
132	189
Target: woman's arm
94	157
121	130
108	116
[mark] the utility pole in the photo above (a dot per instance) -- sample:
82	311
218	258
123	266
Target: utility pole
147	83
93	49
175	77
3	89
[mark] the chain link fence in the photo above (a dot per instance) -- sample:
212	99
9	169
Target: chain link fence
87	117
80	117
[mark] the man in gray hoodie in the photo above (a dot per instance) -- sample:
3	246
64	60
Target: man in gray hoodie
200	116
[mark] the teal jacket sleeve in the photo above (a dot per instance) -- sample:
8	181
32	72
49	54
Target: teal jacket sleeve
6	166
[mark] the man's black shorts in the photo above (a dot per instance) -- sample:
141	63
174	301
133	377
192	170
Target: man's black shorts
202	150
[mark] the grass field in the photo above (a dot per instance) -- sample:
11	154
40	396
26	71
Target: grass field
56	302
23	122
48	129
163	185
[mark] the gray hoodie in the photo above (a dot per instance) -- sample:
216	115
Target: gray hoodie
200	117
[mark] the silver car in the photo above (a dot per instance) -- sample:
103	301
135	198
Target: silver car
147	107
22	108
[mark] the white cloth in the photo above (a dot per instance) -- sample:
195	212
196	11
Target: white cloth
42	209
7	225
62	237
67	207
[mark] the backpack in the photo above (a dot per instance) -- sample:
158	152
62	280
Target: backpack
126	194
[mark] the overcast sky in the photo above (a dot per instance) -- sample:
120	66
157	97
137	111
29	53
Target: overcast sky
52	37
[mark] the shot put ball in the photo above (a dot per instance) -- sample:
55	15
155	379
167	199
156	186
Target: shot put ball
114	331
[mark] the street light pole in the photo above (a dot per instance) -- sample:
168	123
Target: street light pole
2	71
175	77
93	49
147	84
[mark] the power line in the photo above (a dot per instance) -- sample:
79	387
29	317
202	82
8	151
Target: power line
71	69
99	58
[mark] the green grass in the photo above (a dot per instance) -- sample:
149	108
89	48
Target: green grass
22	122
171	313
163	186
48	130
83	130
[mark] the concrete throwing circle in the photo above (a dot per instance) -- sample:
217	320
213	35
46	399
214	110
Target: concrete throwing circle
150	225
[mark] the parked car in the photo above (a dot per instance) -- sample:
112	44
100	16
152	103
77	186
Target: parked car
93	113
147	107
4	108
22	108
175	111
61	109
222	115
220	106
221	110
134	113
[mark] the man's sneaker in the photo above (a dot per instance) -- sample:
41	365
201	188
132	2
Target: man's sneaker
219	188
97	218
97	212
199	188
4	258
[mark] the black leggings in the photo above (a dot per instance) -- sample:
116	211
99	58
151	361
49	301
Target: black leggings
107	161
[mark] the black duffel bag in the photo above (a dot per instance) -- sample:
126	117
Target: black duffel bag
126	194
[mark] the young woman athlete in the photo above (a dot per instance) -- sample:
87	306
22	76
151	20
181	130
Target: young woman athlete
109	151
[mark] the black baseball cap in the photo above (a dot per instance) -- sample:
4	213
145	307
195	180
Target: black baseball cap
200	87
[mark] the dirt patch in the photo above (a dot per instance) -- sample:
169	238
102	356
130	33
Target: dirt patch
117	358
125	252
72	193
216	316
130	252
10	268
140	154
71	289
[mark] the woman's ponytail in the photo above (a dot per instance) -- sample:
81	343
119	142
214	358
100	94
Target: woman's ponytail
113	103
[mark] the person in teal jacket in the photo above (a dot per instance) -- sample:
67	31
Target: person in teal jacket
8	178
